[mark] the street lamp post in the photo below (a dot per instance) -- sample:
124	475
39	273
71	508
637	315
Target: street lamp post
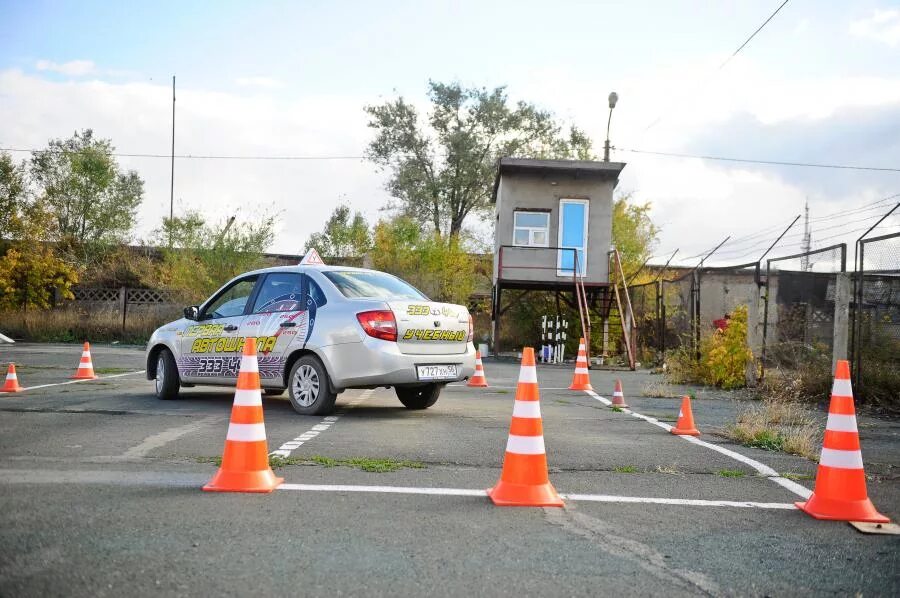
613	98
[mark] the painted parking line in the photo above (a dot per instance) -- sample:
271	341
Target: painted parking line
763	469
324	424
83	380
606	498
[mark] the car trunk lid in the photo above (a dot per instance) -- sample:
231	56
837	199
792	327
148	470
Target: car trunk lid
430	328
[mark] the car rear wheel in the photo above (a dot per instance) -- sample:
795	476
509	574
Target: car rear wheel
419	397
167	380
310	388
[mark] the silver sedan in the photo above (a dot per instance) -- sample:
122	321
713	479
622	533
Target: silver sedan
320	330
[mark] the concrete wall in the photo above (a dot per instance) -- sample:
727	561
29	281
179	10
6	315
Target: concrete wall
532	191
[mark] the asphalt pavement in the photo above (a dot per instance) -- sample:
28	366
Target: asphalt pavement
101	495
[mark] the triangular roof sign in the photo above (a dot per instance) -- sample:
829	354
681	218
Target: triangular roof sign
312	258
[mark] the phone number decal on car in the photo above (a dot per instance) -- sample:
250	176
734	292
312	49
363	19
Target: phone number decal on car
422	334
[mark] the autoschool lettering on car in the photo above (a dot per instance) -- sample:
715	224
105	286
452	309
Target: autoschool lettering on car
232	344
431	334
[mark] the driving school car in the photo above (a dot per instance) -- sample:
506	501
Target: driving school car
319	330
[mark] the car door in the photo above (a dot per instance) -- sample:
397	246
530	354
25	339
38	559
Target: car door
211	348
282	316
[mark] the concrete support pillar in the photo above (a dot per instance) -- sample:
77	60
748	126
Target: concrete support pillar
841	317
754	333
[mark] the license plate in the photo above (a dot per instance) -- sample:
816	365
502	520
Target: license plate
436	372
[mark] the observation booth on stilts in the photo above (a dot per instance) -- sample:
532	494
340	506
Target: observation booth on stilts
553	234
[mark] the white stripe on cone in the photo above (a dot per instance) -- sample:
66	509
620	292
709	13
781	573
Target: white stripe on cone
527	409
618	393
842	388
247	398
841	459
525	445
581	370
249	364
528	374
246	432
86	354
841	423
12	377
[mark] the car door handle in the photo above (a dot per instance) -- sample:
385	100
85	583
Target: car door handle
288	324
230	328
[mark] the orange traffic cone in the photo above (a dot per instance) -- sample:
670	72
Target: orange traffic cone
618	397
524	481
840	493
685	424
12	381
478	379
245	462
581	381
85	369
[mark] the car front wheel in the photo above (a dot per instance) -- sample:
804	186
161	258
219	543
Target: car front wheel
419	397
310	388
167	380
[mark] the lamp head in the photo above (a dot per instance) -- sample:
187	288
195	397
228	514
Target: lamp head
613	98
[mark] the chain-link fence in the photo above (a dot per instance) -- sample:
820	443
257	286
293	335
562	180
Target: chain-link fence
799	327
876	330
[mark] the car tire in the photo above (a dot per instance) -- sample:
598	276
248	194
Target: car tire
274	392
309	387
167	379
419	397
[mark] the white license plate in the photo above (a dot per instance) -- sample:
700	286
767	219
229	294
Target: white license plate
436	372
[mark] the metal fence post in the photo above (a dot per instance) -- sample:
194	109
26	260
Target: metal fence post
841	318
123	305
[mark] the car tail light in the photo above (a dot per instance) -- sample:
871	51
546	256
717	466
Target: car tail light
379	324
471	329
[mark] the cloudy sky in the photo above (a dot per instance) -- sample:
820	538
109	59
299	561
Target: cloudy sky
820	83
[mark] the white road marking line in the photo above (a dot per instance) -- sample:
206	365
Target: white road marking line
762	468
77	381
163	438
573	497
290	446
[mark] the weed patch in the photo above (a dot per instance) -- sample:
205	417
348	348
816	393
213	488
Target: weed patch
111	370
798	476
363	463
777	426
626	469
658	390
214	460
617	409
731	473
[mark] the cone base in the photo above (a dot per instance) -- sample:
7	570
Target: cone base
622	405
581	387
240	481
850	510
16	388
505	494
477	384
91	377
689	432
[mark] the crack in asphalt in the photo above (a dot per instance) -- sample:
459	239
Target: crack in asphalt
652	561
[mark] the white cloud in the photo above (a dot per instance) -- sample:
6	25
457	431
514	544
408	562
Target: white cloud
263	82
881	25
73	68
137	117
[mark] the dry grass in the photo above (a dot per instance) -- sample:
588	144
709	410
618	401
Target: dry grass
75	325
658	390
778	426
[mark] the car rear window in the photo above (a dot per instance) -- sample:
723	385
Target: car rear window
372	285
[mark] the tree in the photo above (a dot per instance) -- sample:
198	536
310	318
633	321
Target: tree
200	256
29	276
93	202
13	195
442	170
633	233
342	237
441	270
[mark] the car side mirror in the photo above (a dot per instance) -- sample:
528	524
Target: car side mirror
192	312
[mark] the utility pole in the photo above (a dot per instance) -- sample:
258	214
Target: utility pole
172	177
807	240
